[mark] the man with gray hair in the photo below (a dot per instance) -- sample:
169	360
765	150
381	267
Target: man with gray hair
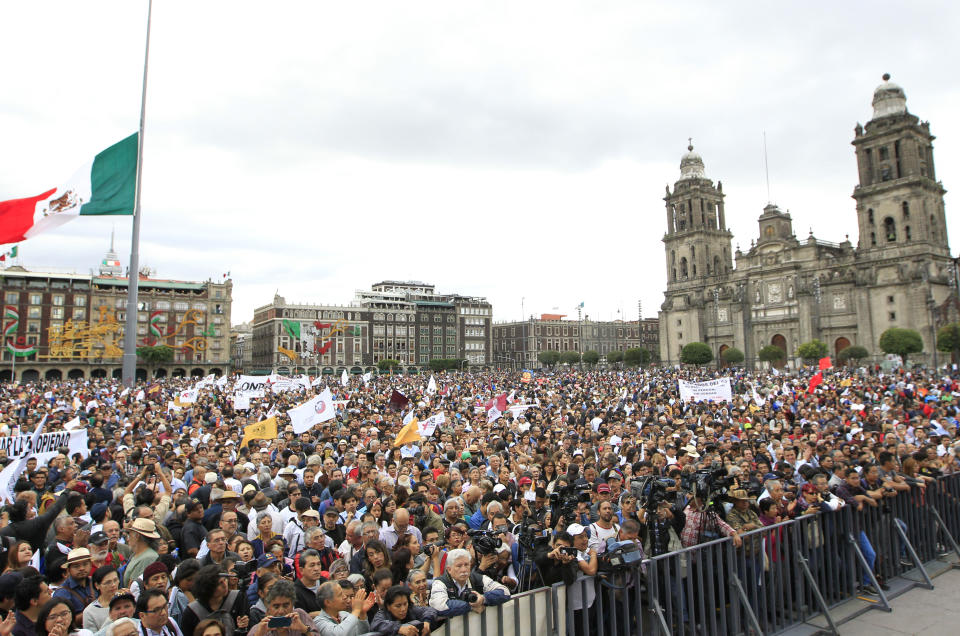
122	627
352	544
460	590
339	616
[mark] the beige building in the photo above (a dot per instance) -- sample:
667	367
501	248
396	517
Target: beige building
786	290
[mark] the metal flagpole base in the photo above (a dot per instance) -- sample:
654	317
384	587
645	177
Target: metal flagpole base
129	369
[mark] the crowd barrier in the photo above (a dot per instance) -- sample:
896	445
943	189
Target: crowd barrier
782	576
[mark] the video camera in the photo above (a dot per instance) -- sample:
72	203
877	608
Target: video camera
619	555
485	541
707	483
428	548
563	503
650	491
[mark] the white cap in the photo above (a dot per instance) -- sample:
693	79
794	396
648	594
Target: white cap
575	529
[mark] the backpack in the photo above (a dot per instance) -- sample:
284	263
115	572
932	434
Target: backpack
222	615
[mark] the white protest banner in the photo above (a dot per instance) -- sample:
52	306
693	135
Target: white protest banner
188	396
9	475
241	402
716	390
344	378
307	415
253	386
432	386
429	425
46	445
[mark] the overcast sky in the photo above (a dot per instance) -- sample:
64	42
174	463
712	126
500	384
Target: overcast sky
513	150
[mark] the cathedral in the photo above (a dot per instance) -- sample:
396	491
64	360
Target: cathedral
786	291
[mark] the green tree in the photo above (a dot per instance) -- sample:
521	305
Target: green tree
813	350
772	353
853	352
696	353
901	341
948	338
591	357
153	356
614	357
388	364
438	364
732	355
636	356
570	357
549	357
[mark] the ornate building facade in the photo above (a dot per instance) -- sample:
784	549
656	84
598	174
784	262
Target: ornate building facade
785	291
60	326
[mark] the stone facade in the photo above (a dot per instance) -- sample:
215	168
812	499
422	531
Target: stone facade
518	344
786	291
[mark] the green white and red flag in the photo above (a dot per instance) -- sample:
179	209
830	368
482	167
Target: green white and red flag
105	186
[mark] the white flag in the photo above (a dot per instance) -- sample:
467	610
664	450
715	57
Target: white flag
141	395
307	415
367	377
493	415
408	417
775	371
344	378
429	425
188	396
92	404
72	424
432	386
317	381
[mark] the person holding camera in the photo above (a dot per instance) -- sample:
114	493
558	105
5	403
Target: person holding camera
460	590
282	618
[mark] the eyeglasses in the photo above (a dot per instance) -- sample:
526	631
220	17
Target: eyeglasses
156	610
58	615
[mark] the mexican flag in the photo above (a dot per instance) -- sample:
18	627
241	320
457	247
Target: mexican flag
103	187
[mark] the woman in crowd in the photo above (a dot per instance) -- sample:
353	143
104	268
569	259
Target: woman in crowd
181	594
18	556
106	582
398	616
377	557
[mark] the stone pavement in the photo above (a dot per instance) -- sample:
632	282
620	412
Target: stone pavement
919	611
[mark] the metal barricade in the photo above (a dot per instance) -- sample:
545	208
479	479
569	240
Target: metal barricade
781	576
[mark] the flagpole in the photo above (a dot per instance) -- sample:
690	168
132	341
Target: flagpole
133	276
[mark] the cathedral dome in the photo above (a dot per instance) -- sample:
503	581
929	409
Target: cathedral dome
691	164
889	99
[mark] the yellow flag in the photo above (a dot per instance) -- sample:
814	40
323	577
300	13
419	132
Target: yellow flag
409	433
264	429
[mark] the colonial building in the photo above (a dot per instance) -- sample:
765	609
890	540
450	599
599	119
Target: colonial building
787	290
68	325
405	321
241	347
519	344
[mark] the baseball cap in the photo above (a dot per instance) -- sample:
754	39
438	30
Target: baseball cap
603	488
574	529
266	560
98	538
525	481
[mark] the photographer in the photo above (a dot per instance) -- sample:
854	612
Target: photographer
459	590
661	530
559	563
703	524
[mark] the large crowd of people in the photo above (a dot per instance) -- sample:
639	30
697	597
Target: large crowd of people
171	524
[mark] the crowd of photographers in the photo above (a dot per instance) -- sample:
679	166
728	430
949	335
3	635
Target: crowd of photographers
168	525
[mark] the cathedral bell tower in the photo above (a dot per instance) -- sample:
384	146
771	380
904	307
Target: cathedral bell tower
697	241
899	200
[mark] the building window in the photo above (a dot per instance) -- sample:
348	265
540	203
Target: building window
180	306
12	298
890	229
33	312
79	313
892	315
36	299
163	304
906	210
890	299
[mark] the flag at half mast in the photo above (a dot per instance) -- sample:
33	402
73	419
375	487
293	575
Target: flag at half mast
103	187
